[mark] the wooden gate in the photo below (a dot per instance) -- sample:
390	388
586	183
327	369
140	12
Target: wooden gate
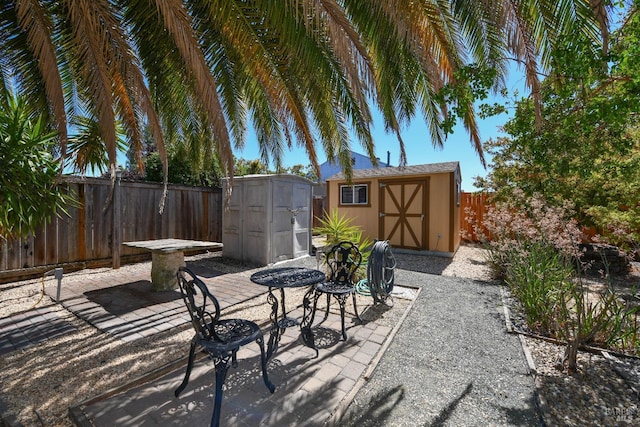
404	205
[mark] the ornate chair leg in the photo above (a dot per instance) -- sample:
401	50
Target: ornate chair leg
274	338
185	381
342	300
221	363
355	307
263	361
316	297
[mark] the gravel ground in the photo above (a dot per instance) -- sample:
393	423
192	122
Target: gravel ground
462	380
452	362
488	388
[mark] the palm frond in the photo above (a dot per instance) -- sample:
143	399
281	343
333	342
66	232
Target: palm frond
177	22
36	23
91	39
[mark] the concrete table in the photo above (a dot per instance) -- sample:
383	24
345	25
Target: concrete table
167	255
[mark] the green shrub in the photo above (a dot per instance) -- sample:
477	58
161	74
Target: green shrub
534	248
538	277
29	192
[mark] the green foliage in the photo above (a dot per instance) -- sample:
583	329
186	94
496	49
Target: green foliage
181	171
338	228
244	167
87	148
537	275
602	319
535	249
298	73
588	149
29	194
471	84
307	171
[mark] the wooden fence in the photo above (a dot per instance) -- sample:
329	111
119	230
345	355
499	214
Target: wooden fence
318	210
88	238
473	207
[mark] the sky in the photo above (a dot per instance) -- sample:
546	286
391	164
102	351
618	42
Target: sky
417	141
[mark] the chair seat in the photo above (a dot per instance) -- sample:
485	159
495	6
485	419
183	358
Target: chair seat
233	333
336	288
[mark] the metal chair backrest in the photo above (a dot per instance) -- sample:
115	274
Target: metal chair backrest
197	298
343	260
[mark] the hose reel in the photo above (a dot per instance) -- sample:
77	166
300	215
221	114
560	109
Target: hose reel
380	273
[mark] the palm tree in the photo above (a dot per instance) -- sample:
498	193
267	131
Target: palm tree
87	150
300	71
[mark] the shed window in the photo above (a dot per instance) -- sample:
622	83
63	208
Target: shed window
354	194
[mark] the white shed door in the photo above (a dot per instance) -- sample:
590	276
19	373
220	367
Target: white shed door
291	219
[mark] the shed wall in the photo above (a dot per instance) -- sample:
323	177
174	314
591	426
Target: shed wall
268	219
440	214
443	216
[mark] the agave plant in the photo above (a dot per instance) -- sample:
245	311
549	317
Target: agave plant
338	228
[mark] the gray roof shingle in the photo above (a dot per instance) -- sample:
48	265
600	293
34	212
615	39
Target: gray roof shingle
428	168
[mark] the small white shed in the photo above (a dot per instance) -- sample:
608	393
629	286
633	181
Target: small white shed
268	218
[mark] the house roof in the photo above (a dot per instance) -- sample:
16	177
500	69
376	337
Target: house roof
336	162
429	168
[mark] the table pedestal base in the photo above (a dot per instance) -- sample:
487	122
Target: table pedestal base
164	266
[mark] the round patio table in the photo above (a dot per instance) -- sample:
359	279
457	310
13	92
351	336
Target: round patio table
283	278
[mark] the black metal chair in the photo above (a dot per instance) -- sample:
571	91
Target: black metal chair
220	338
343	260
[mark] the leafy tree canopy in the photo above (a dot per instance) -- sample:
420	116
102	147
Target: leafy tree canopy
588	149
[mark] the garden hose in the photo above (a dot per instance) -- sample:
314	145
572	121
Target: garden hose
380	273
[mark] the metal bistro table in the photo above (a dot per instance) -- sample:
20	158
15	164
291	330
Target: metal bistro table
282	278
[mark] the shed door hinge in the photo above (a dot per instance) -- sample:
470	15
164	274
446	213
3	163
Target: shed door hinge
382	185
381	214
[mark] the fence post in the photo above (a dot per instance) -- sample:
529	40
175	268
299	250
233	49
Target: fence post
117	209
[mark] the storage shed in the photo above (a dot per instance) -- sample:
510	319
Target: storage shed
268	218
413	207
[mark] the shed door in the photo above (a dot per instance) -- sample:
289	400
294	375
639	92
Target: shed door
291	219
403	213
301	219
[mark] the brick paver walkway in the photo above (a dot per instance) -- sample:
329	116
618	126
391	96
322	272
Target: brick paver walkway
121	303
31	327
309	390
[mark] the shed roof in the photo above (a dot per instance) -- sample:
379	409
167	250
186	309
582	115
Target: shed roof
425	169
